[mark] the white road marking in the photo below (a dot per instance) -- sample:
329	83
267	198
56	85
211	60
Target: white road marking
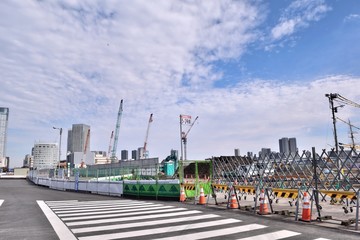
141	224
159	230
81	205
125	219
121	214
138	209
1	202
77	202
217	233
61	202
273	235
105	208
60	228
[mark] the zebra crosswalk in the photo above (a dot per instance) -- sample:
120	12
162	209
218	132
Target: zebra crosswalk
130	219
1	202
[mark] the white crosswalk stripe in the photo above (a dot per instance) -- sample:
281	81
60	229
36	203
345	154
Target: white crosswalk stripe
123	219
1	202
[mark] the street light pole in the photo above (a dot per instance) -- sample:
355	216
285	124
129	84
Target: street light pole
60	130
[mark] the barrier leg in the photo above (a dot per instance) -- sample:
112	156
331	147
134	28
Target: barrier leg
357	210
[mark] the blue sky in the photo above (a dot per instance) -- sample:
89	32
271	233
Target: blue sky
253	71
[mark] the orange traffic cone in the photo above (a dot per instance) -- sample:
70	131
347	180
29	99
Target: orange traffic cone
263	204
306	211
202	199
233	202
182	194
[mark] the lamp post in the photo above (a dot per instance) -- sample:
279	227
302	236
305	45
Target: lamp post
60	130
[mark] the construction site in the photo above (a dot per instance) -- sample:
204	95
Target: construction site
324	184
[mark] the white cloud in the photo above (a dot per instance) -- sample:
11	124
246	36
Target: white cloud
298	15
67	62
352	17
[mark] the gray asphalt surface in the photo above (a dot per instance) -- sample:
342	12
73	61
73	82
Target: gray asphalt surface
21	217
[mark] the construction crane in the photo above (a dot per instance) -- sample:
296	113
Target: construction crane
85	149
117	128
145	153
184	136
349	145
109	150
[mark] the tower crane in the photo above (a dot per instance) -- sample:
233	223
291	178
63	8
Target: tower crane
85	149
116	137
109	150
145	154
184	136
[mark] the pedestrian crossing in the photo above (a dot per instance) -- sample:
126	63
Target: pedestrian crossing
131	219
1	202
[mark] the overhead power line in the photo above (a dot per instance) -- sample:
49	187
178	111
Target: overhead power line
343	100
341	120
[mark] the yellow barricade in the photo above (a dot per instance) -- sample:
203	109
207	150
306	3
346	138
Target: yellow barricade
339	194
189	186
220	187
245	189
285	193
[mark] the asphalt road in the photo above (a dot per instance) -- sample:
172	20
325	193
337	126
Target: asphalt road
22	218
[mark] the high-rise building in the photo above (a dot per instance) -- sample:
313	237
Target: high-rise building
4	118
284	145
292	145
140	153
46	155
237	152
124	155
287	145
134	154
77	138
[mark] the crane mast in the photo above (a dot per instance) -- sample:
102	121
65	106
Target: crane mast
184	136
117	128
85	148
109	150
145	155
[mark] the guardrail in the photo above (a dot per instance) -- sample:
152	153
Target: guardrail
139	188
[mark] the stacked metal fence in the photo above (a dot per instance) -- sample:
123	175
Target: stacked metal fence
327	170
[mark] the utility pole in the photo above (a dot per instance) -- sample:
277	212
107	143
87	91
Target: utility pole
331	97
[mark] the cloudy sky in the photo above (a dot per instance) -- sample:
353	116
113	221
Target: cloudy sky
253	71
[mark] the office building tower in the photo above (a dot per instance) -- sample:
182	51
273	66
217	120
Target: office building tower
4	118
78	136
237	152
287	145
141	153
46	155
124	155
284	145
265	152
134	154
292	145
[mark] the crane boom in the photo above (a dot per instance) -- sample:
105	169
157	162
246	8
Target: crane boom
117	128
147	135
190	127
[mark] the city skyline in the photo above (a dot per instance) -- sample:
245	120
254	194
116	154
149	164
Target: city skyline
252	71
